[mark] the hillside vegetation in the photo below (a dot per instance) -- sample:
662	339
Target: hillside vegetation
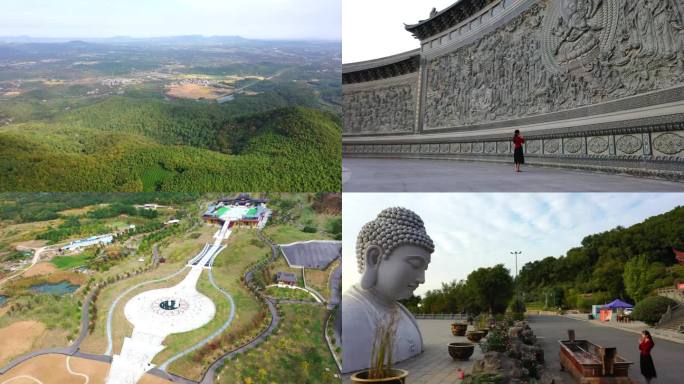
124	144
628	263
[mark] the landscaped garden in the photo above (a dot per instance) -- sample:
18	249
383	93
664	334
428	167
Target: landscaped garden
296	353
288	294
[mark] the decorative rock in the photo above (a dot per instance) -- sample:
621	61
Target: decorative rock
497	362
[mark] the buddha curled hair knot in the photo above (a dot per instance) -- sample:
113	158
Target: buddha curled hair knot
392	228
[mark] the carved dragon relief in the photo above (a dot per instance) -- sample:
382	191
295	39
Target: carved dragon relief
383	110
558	55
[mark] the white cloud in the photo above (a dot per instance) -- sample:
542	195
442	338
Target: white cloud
480	230
375	28
294	19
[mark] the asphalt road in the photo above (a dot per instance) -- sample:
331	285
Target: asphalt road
667	356
414	175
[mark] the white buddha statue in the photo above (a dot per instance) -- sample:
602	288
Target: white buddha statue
393	252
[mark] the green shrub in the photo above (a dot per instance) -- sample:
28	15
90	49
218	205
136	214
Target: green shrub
485	378
498	339
651	309
518	306
518	316
309	229
518	309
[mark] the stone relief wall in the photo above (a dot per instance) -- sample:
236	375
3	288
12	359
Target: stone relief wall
385	109
558	55
659	145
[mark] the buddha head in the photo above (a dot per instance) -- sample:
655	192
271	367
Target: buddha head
393	251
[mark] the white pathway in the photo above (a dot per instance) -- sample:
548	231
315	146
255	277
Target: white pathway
158	313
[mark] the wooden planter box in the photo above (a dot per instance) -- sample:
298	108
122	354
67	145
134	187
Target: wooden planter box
589	363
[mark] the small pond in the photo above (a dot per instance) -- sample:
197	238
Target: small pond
2	300
61	288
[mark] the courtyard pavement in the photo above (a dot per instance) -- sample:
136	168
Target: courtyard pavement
157	313
667	355
435	365
414	175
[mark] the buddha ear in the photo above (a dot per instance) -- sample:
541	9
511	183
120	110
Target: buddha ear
370	270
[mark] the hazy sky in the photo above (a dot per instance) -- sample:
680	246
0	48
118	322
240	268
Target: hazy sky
265	19
375	28
480	230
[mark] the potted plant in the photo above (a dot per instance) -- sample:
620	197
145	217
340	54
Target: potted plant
381	369
459	329
461	351
482	325
475	336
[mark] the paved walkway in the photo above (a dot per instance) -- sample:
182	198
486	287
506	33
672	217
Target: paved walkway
667	355
413	175
634	327
435	365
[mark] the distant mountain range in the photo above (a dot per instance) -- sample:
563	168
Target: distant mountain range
167	40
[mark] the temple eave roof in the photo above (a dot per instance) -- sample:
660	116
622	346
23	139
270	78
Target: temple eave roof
446	18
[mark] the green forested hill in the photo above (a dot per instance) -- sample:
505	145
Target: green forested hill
123	144
623	262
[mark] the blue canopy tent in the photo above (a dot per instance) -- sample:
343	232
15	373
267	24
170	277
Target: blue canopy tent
617	303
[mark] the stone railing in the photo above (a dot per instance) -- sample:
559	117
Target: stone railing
670	314
672	293
441	316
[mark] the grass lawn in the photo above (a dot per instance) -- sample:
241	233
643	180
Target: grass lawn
320	280
288	293
61	316
68	262
285	234
186	247
296	353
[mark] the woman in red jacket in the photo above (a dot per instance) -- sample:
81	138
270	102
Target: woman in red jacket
645	345
518	156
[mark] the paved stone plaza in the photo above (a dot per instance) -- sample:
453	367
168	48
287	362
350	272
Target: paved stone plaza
157	313
667	355
413	175
434	365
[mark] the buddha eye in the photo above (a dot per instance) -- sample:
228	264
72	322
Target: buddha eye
415	262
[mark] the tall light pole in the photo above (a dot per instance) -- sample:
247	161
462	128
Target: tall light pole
516	253
517	288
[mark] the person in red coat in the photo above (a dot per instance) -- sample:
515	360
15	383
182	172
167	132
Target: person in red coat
518	156
646	361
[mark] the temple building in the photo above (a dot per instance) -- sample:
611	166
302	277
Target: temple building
241	211
88	242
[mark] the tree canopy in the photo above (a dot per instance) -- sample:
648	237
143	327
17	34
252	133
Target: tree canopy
627	263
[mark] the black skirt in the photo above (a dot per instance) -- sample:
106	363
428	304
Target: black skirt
518	156
647	367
